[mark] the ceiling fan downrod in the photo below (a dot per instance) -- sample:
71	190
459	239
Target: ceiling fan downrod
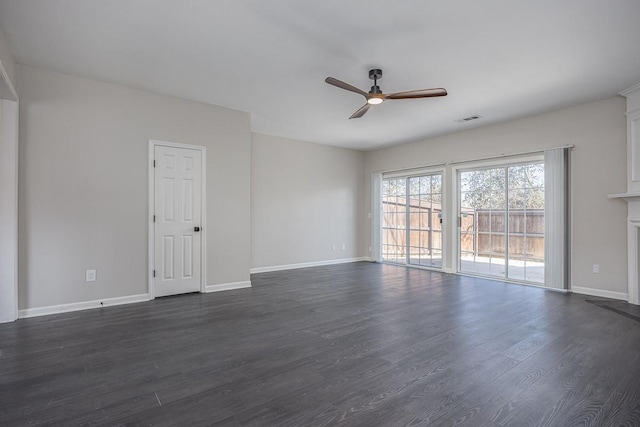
374	75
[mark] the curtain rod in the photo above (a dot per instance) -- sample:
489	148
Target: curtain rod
500	156
455	162
433	165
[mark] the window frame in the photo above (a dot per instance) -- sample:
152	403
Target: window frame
455	217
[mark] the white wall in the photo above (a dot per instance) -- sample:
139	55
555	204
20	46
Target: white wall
598	131
8	184
305	198
84	190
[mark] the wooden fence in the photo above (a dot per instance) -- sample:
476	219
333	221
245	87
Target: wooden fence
482	231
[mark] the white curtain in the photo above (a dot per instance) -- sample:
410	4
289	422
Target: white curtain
556	218
376	217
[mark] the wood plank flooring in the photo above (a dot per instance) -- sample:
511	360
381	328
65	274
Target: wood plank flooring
355	344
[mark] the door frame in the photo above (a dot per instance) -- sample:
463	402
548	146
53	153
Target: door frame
9	149
417	172
203	210
489	163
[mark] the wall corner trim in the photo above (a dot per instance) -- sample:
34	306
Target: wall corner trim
600	293
307	264
228	286
84	305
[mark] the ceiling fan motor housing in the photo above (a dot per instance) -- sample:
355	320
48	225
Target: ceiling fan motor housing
374	75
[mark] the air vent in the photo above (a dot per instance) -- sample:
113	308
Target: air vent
468	119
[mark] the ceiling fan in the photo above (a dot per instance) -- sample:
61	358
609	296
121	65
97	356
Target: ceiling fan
375	95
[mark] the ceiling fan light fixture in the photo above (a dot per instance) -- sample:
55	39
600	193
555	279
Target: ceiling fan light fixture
374	100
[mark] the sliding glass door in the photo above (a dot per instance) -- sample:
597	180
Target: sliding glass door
412	220
501	231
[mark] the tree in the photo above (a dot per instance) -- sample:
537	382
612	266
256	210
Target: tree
487	188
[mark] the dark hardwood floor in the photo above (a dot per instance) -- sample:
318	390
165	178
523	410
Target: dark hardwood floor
353	344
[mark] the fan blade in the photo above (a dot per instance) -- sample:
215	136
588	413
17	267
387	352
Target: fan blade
421	93
345	86
360	112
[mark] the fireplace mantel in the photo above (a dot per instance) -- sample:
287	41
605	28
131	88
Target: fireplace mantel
628	197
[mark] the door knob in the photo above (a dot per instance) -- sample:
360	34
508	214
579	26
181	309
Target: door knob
196	229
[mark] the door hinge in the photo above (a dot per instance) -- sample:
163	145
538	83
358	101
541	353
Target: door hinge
154	273
154	163
459	221
154	218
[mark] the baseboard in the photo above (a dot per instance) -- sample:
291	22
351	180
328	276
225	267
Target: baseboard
600	293
84	305
228	286
11	318
307	264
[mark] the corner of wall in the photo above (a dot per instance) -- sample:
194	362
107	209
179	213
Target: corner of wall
6	60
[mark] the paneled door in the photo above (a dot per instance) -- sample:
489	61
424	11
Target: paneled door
177	210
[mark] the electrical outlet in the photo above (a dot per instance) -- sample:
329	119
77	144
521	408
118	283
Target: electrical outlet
333	247
596	268
90	276
344	246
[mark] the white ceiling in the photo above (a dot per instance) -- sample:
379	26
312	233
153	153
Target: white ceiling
500	59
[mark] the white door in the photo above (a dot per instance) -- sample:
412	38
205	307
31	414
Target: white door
178	210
